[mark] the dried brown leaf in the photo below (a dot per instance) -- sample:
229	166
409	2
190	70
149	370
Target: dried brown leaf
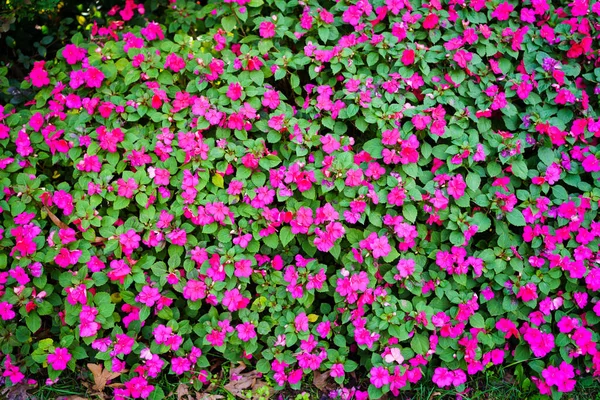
240	382
320	380
236	370
17	392
101	376
55	219
208	396
183	392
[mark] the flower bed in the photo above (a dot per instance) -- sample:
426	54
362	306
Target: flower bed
403	190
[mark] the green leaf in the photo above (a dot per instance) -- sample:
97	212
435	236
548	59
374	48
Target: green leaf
519	169
323	34
374	147
457	76
272	241
142	199
409	211
494	169
121	203
473	181
286	235
477	321
546	155
374	392
133	75
372	58
482	221
419	343
457	238
263	366
411	170
336	250
165	78
33	321
522	352
515	217
391	256
228	23
217	180
560	193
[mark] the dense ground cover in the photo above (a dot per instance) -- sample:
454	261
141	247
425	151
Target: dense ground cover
396	190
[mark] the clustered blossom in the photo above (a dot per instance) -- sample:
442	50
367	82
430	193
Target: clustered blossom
305	188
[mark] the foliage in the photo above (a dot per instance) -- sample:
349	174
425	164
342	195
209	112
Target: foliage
402	190
33	30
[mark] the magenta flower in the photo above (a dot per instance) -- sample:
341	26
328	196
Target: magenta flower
266	29
380	376
38	75
59	358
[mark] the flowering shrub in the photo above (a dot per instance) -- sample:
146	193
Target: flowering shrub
400	188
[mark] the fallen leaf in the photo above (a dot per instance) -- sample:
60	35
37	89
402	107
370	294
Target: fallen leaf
207	396
101	376
18	392
241	382
320	380
182	392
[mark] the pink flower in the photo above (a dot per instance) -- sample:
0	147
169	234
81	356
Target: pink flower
381	247
73	54
138	387
180	365
527	292
456	186
194	290
408	57
560	377
567	324
337	370
330	144
266	29
406	267
463	58
442	377
66	257
148	296
246	331
129	241
301	322
430	21
126	188
235	90
174	62
243	268
64	201
295	377
59	359
502	12
324	328
6	312
233	300
380	376
77	295
93	77
119	270
38	75
178	237
541	343
271	99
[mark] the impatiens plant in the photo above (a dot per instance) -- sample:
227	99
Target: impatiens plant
404	189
